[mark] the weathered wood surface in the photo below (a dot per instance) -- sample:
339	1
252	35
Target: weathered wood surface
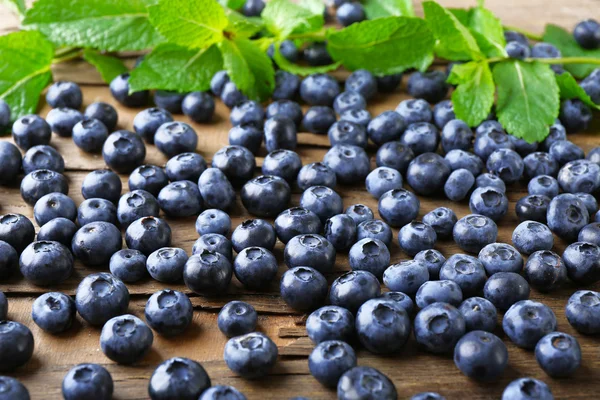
411	370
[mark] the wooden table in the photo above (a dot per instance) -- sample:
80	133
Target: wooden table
411	370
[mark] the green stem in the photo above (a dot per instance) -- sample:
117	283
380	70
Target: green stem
315	36
530	35
62	51
567	60
68	57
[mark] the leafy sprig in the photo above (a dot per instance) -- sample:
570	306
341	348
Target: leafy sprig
189	40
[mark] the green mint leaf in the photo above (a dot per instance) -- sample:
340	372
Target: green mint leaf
488	32
454	41
567	45
17	6
109	25
528	99
473	98
462	15
171	67
282	17
383	46
25	70
248	67
233	4
570	89
386	8
189	23
316	7
108	66
241	26
301	70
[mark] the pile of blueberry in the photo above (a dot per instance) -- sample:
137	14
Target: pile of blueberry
450	305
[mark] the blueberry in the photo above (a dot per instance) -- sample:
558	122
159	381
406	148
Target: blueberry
231	95
31	130
54	205
200	106
330	323
382	326
135	205
323	201
481	355
543	185
266	195
102	184
253	8
374	229
53	312
249	112
64	94
124	151
166	264
517	50
566	216
359	117
388	83
504	289
125	339
46	263
587	34
438	327
280	133
213	242
460	159
456	134
467	271
362	82
359	213
103	112
13	389
251	356
236	162
558	354
398	207
319	90
169	101
285	108
178	378
415	237
442	220
479	314
427	396
575	115
590	234
444	291
507	164
282	163
433	259
185	167
147	122
526	389
386	127
180	199
547	50
62	120
296	221
4	116
221	392
406	276
128	265
100	297
148	234
213	221
589	201
365	383
347	133
329	360
487	143
207	272
530	236
87	381
9	261
169	312
370	255
318	119
523	147
427	173
580	176
94	210
216	190
591	85
16	230
253	233
16	345
255	267
41	182
490	202
500	257
310	250
149	178
340	231
286	85
534	208
237	318
430	86
287	49
487	179
443	112
350	13
353	288
303	288
316	54
557	132
582	311
565	151
95	243
59	230
583	262
394	155
415	110
527	321
173	138
421	137
512	36
89	135
349	101
11	163
545	270
459	184
381	180
218	81
119	88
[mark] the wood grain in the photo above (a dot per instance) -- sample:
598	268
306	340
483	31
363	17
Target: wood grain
412	370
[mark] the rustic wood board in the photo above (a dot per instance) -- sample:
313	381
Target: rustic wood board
411	370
